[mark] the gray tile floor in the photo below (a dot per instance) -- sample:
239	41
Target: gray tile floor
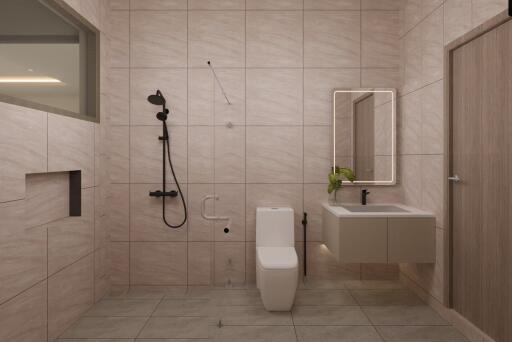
355	311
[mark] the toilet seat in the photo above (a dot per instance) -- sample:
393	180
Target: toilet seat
277	258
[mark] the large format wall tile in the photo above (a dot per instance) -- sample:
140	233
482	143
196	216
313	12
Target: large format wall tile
23	137
432	179
146	223
332	39
319	85
119	4
382	78
158	39
317	153
24	317
432	47
201	84
229	158
200	154
233	83
119	263
199	229
457	19
146	154
199	263
411	173
315	195
229	263
120	38
47	198
71	146
274	154
411	61
274	39
70	294
486	9
171	82
120	98
119	212
380	39
158	263
218	37
409	137
71	238
432	118
101	273
22	251
119	154
230	204
275	97
207	104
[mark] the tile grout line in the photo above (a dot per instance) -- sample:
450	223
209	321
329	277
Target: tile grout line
188	171
129	143
149	317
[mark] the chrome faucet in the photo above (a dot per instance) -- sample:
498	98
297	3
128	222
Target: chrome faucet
364	196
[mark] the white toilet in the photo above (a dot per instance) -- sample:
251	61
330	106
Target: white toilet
277	265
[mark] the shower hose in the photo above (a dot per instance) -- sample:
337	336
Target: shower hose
167	154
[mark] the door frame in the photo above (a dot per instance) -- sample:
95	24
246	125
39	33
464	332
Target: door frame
478	31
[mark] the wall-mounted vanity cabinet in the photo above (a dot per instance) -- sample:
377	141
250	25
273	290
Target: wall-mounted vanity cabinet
379	234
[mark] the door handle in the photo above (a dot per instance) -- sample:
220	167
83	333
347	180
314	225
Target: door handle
454	178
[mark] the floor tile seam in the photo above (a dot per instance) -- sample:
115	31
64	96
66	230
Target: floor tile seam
149	318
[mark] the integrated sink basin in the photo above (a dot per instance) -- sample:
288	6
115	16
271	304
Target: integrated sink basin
374	209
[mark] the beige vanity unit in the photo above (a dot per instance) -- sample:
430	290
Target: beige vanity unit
379	233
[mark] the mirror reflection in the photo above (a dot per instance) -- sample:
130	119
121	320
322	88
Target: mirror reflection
364	134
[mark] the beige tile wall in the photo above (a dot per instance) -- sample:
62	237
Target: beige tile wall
278	62
53	267
427	26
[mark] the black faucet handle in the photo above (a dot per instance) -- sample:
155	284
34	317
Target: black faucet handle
364	196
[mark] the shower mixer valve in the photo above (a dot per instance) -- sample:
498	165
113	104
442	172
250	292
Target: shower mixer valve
158	193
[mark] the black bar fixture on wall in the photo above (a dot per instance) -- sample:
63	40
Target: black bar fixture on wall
510	8
158	99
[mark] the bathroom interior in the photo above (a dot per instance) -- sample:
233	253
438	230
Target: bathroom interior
255	170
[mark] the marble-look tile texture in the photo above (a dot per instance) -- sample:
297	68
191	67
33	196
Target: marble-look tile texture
278	62
201	313
54	266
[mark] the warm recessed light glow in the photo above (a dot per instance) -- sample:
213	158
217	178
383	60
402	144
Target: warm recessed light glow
29	80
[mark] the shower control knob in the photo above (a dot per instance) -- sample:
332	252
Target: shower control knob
226	230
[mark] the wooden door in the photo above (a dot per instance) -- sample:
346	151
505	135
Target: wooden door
364	149
481	203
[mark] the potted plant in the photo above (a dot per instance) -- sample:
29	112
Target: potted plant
336	181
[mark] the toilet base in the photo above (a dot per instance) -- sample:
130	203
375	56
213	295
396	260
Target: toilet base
277	287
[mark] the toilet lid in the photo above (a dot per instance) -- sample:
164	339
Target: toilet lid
277	257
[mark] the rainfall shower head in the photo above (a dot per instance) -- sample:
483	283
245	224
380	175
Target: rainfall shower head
157	99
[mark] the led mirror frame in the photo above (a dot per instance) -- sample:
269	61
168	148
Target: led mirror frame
392	91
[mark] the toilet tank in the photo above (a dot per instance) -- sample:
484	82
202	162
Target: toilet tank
275	227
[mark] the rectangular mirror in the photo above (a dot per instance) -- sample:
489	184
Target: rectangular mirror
364	136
